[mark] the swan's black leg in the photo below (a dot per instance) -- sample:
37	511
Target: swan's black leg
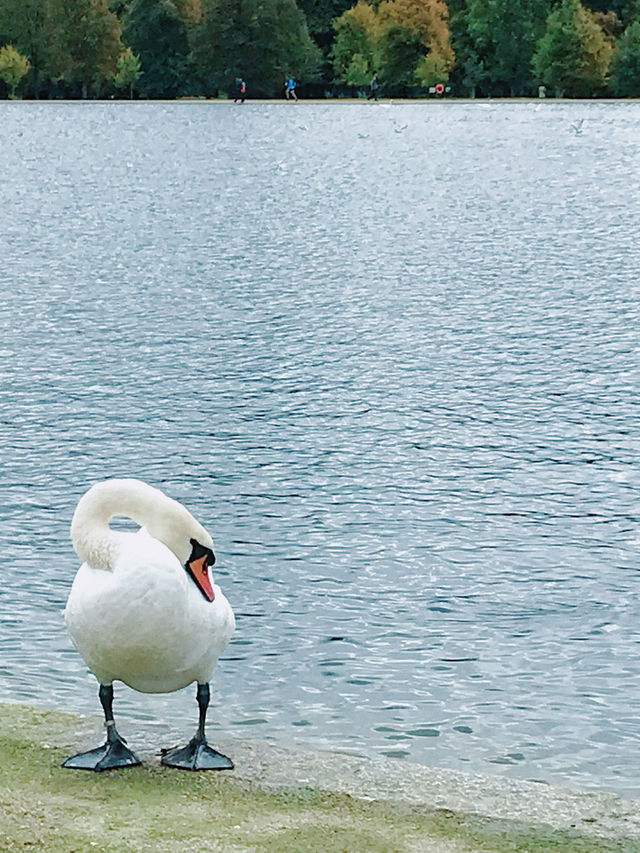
197	754
111	754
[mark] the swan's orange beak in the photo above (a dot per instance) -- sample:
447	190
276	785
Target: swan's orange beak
199	570
198	567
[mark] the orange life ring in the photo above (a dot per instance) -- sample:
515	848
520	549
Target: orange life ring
439	88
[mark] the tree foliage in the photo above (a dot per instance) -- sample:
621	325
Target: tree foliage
406	40
410	27
29	26
88	40
468	70
263	41
13	67
157	33
502	37
128	69
78	42
573	54
355	48
320	15
400	53
578	48
625	10
625	64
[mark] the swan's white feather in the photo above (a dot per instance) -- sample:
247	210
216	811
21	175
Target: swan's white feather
138	617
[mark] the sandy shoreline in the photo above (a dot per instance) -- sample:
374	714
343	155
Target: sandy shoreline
342	801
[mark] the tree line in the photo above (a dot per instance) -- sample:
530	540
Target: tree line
177	48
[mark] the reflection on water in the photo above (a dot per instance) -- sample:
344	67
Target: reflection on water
396	374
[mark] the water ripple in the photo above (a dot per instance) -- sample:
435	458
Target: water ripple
395	374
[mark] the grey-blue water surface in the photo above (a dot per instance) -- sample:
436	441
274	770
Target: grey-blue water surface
389	355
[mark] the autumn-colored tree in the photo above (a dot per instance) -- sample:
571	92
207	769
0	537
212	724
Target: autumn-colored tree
13	67
625	64
609	23
406	40
88	43
573	55
625	10
405	24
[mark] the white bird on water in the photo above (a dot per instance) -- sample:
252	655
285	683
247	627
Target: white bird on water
143	610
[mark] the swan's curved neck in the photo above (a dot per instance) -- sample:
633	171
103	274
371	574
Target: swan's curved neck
97	544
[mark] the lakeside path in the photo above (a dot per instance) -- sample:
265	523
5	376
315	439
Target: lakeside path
281	799
385	102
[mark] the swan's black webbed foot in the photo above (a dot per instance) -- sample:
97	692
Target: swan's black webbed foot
196	755
114	753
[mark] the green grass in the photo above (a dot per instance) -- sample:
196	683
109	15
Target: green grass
156	809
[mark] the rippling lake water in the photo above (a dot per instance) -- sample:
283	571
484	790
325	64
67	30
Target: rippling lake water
389	355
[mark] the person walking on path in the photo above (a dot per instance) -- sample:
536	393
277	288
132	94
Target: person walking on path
290	89
373	88
241	91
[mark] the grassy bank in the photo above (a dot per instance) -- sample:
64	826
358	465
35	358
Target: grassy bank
150	808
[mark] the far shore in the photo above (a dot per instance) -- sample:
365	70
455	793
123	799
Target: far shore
282	799
426	101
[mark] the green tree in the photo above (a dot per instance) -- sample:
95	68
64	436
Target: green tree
263	41
400	52
573	55
30	26
355	48
128	69
503	36
88	43
320	15
359	71
119	8
13	67
625	64
157	31
469	71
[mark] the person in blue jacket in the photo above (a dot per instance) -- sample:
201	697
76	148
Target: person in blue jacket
290	89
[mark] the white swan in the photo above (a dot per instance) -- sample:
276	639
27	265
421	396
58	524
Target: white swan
143	610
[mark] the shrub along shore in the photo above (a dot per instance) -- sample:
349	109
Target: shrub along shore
281	799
